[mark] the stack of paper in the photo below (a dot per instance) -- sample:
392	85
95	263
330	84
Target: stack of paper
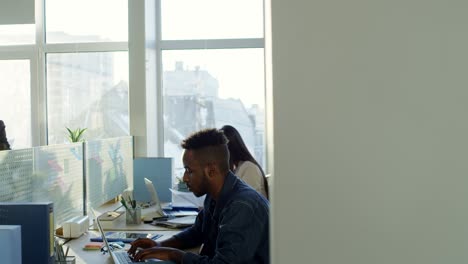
186	199
176	222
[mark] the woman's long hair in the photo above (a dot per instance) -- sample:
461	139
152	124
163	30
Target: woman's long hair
239	152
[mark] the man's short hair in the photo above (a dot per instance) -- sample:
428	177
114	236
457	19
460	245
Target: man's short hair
209	145
204	138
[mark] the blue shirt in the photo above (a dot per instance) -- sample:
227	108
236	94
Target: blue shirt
234	229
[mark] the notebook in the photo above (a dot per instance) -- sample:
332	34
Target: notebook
119	256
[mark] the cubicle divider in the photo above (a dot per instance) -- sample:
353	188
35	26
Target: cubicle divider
58	177
108	169
41	174
16	170
157	170
69	175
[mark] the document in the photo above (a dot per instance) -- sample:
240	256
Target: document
176	222
187	199
125	237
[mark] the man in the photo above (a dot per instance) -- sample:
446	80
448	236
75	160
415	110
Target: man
3	139
232	227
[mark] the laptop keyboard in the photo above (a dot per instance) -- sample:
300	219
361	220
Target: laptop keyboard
122	257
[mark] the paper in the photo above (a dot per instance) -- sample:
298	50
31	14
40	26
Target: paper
187	199
184	220
125	237
176	222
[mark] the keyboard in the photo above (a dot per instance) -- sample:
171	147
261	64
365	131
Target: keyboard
122	257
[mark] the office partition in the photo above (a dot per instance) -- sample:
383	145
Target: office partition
108	168
58	177
157	170
16	169
42	174
69	175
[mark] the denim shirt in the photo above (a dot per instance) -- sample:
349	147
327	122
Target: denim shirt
234	229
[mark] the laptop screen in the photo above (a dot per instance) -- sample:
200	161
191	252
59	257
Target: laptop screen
101	231
154	198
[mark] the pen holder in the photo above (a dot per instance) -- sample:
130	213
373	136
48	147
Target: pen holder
68	260
133	216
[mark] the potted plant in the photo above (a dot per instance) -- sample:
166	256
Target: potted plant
75	135
181	185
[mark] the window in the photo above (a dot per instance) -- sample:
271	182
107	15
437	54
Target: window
87	90
211	19
70	69
212	71
15	102
73	21
17	34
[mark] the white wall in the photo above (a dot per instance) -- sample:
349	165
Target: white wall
370	131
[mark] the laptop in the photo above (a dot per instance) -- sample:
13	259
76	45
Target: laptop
159	211
154	200
120	256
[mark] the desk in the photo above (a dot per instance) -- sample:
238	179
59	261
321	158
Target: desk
120	225
95	256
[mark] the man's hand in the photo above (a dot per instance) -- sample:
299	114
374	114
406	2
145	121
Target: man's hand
161	253
142	243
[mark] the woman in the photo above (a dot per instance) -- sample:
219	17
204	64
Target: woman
243	163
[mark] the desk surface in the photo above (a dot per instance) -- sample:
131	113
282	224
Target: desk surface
120	225
95	256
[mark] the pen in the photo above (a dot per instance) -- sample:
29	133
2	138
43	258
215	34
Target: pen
124	203
132	203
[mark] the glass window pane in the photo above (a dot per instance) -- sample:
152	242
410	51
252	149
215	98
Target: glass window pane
212	88
87	90
15	105
69	21
17	34
211	19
